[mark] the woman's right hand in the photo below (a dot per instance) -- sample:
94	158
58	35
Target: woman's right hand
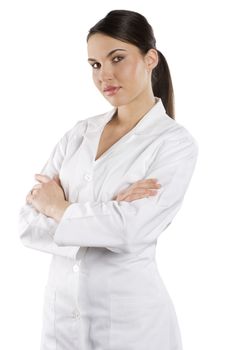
139	189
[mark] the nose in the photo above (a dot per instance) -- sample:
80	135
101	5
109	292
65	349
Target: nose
105	73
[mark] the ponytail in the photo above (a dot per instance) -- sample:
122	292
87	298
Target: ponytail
162	85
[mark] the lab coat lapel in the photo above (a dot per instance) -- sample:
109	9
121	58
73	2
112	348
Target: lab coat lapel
150	124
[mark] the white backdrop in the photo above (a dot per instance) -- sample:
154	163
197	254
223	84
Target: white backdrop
46	86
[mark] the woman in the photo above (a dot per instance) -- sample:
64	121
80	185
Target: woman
98	207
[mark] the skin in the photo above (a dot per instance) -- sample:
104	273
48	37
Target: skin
132	72
127	69
48	197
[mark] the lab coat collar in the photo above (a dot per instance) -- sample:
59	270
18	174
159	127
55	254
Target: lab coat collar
146	125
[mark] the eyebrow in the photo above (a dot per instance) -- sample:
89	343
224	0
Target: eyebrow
109	54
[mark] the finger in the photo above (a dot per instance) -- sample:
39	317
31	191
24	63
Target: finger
147	180
36	186
152	181
141	190
42	178
29	198
137	191
148	184
133	197
31	194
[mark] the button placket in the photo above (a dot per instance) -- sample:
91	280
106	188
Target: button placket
88	177
76	268
76	314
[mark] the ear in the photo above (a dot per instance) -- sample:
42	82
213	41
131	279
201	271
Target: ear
151	59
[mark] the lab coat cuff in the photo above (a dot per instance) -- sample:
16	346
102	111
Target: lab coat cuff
80	210
68	224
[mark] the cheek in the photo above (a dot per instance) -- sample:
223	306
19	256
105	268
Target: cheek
126	73
95	79
132	74
140	72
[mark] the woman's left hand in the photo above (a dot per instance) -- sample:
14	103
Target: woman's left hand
48	196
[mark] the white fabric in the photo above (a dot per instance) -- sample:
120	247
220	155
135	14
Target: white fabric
104	290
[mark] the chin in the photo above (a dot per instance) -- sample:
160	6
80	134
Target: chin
113	101
114	104
117	102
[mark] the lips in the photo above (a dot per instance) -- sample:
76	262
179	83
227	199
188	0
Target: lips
111	88
111	91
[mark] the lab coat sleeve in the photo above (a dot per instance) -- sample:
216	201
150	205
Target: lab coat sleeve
36	229
128	227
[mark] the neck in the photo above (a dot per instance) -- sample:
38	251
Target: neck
128	116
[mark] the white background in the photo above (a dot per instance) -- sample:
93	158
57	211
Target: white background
46	86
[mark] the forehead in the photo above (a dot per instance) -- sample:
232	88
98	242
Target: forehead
99	45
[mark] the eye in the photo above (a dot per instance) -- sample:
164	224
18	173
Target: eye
120	58
94	65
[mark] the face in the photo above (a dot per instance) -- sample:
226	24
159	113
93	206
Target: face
119	70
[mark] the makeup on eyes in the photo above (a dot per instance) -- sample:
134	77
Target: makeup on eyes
117	56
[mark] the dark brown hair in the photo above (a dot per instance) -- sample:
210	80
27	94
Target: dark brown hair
133	28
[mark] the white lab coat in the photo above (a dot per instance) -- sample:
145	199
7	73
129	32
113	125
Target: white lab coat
104	291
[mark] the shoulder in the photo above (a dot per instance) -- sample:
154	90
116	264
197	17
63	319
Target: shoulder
175	143
176	133
80	127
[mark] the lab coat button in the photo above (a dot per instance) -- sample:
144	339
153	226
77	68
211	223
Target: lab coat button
76	314
88	177
75	268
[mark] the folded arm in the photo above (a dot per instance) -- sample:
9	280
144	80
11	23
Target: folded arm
36	230
129	226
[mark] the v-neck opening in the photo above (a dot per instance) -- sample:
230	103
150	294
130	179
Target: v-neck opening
112	146
95	161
